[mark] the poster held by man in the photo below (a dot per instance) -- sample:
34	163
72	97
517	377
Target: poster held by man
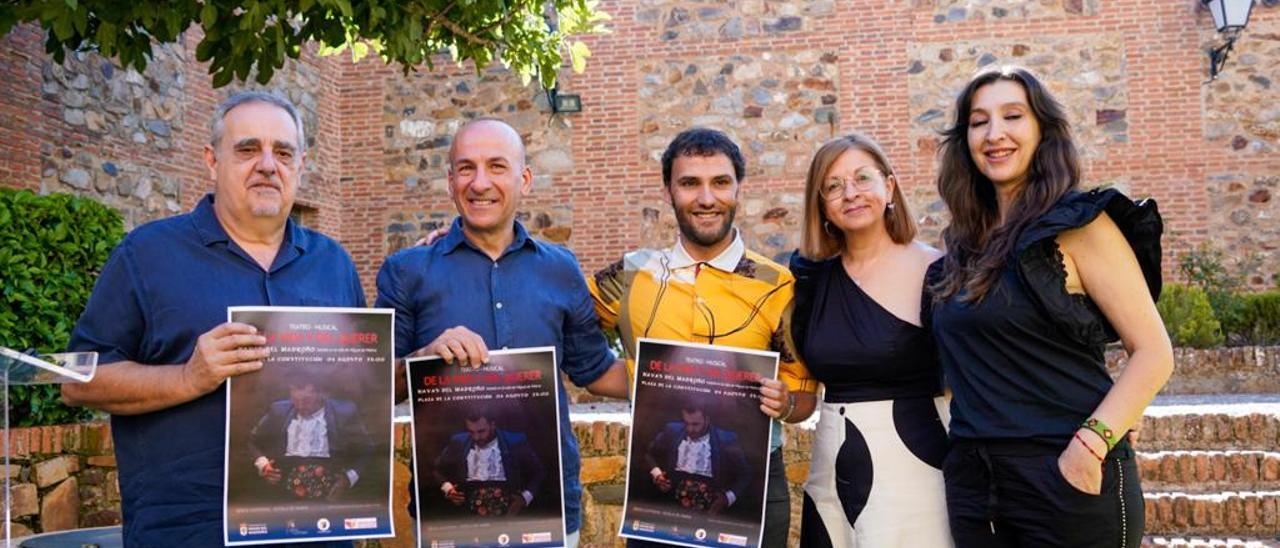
309	436
699	448
486	444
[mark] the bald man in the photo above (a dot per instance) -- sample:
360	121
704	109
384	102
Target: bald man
487	284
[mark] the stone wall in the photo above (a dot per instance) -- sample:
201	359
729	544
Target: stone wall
1243	209
1240	111
952	11
422	112
776	105
1239	370
104	103
1086	73
133	140
62	477
731	20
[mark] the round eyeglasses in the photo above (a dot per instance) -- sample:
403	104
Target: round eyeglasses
864	179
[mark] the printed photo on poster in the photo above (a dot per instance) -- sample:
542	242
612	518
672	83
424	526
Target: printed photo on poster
486	443
699	448
309	435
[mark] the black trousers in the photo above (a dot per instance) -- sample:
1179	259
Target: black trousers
777	508
1012	494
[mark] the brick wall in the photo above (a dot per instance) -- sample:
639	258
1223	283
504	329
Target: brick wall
781	76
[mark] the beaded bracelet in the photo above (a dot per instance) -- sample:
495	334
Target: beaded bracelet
1103	431
1090	449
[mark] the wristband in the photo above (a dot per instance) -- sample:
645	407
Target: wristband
1090	449
1103	431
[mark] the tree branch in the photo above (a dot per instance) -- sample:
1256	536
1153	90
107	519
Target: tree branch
454	28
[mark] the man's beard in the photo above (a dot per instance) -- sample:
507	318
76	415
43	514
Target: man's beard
266	210
690	233
262	206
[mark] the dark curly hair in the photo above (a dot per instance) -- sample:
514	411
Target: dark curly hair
700	141
978	244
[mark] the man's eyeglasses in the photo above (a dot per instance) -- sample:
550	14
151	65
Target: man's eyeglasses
863	180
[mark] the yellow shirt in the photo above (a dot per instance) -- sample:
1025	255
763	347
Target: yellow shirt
739	299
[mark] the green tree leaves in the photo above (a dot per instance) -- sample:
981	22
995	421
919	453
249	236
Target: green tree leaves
256	36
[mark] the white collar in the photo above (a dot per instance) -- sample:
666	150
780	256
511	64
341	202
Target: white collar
317	414
727	260
700	439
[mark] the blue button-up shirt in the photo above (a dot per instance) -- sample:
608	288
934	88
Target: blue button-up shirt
533	295
168	282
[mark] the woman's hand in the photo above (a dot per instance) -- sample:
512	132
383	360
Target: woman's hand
1079	462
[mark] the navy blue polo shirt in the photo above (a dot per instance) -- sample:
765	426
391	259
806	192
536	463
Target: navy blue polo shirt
533	295
168	282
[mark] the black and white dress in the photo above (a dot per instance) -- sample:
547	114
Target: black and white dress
875	479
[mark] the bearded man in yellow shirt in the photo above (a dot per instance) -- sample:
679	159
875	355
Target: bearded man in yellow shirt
709	288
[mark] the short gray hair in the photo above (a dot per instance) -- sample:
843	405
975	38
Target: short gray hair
216	125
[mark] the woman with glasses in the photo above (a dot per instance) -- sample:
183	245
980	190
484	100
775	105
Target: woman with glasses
1038	278
860	324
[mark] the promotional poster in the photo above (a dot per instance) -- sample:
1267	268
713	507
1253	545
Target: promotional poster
486	443
309	435
699	449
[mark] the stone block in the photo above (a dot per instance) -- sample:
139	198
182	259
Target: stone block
105	461
1182	512
19	442
113	486
611	493
603	469
19	530
798	472
25	499
1270	468
101	518
51	471
60	509
1199	513
93	476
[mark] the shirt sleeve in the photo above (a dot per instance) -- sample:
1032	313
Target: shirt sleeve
113	322
392	294
586	352
606	293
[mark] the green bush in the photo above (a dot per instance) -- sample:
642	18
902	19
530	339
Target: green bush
1259	318
51	251
1188	317
1205	267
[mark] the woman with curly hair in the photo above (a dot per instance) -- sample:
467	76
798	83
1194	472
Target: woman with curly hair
1037	279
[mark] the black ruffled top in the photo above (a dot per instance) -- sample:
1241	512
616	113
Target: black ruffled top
1027	362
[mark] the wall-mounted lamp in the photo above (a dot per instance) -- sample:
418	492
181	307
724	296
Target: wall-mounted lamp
563	102
1230	17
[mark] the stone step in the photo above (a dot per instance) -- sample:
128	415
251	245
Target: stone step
1209	471
1231	513
1212	423
1224	541
1239	370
